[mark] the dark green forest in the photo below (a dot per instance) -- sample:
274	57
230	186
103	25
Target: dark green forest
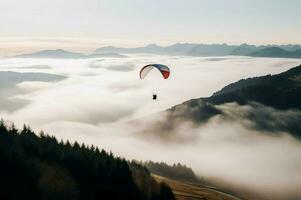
40	167
175	171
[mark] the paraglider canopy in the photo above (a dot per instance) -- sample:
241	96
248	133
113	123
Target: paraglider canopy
162	68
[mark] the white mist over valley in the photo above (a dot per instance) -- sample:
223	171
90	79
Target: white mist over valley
95	101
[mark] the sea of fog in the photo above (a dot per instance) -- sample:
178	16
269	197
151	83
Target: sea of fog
99	96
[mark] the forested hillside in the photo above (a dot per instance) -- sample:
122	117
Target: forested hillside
175	171
266	96
281	91
40	167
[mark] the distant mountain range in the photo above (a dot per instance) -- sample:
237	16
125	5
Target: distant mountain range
62	54
190	49
185	49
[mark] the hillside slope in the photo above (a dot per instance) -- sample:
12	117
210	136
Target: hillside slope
187	191
40	167
281	91
276	99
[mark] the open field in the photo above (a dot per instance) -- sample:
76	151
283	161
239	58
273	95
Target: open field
186	191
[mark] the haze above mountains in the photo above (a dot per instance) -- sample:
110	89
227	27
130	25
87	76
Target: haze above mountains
184	49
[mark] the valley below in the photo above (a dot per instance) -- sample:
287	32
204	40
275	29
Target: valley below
190	191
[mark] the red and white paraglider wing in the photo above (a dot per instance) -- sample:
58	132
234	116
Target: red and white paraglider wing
162	68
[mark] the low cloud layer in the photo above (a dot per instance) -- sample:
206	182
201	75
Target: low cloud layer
264	118
102	101
230	149
115	66
15	84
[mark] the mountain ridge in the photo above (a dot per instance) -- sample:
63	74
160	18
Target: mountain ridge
184	49
276	52
272	102
63	54
286	84
194	49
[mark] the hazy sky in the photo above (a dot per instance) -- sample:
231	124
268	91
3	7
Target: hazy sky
147	21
